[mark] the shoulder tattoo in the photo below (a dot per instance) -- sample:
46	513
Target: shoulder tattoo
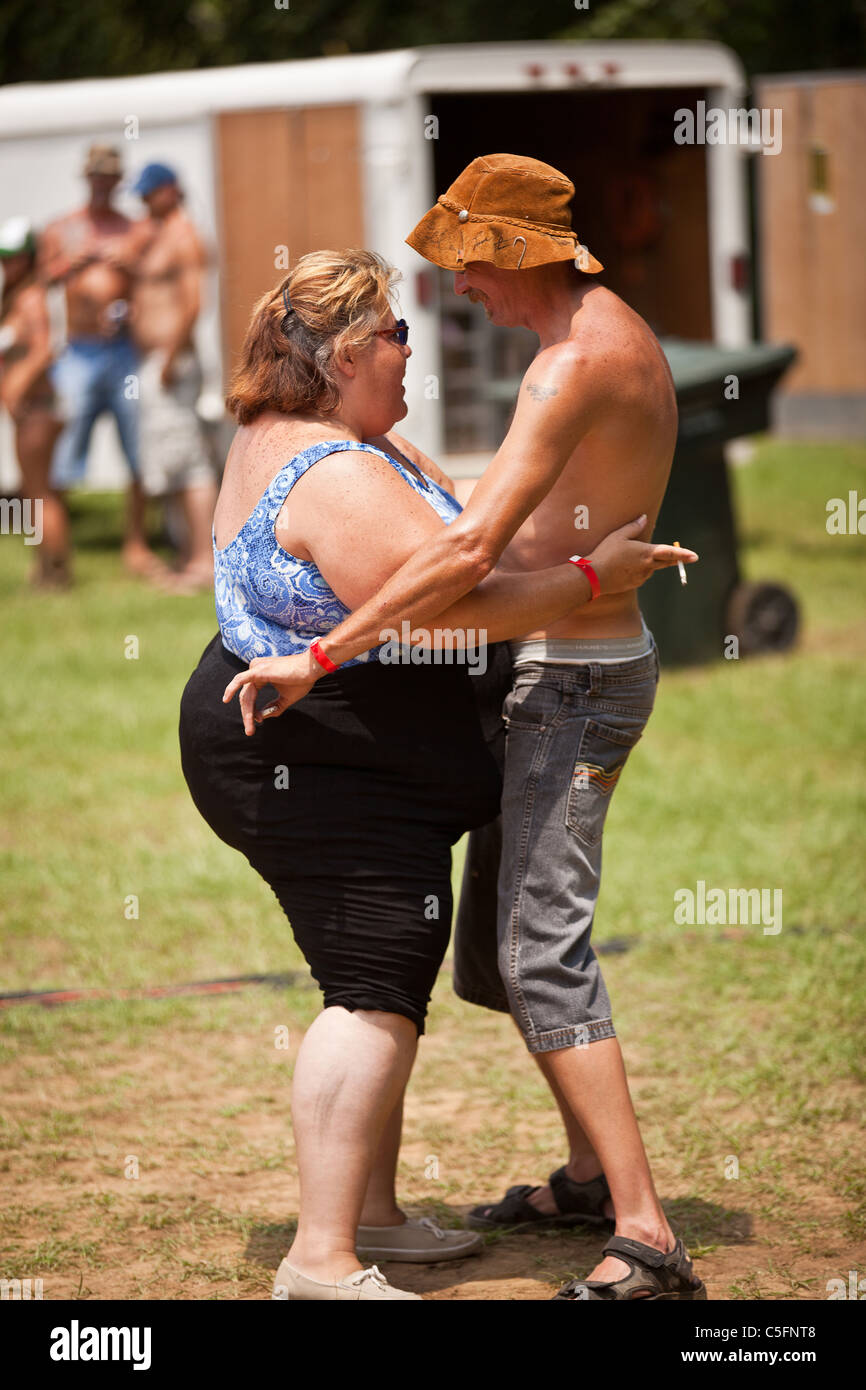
541	393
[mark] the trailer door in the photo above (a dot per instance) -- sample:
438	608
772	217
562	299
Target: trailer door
288	182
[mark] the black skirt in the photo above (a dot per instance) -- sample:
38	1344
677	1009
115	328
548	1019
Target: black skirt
348	805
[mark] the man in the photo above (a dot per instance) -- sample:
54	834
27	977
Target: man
176	460
93	254
592	437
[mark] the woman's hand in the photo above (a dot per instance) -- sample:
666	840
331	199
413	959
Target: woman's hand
623	563
292	676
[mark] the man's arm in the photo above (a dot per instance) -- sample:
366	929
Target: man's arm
191	263
124	251
556	406
54	260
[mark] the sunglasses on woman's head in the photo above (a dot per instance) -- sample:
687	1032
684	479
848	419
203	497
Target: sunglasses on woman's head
398	334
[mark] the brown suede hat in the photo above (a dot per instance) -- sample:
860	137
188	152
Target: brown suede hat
506	209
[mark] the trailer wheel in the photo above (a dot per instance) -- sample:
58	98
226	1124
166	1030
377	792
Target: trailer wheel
764	618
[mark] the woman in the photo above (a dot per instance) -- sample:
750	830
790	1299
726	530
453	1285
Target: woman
349	804
26	392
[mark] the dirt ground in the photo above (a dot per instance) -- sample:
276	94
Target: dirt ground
199	1109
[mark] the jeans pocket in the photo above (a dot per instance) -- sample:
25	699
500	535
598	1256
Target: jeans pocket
531	704
601	757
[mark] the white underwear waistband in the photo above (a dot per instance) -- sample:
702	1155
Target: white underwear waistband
567	651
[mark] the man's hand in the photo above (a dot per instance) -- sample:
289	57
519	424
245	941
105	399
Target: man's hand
124	251
292	676
116	253
623	563
87	255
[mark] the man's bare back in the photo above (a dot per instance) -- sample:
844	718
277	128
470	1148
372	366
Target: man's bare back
618	470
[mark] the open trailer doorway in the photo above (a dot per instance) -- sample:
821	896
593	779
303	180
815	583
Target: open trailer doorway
641	205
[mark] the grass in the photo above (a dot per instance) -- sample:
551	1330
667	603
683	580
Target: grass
744	1049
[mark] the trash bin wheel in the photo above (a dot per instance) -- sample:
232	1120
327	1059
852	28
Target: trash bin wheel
764	617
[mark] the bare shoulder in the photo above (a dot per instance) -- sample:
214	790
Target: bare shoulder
355	473
352	492
188	240
267	444
60	227
612	353
561	375
354	467
142	229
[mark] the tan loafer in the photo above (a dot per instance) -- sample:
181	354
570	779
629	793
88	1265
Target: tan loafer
419	1240
290	1283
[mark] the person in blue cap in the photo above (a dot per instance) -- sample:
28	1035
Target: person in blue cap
176	459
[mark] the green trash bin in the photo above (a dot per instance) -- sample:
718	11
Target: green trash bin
722	393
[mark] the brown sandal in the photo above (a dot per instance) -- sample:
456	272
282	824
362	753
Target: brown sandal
653	1275
579	1203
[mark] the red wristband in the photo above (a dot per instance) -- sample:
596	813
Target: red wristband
590	573
324	661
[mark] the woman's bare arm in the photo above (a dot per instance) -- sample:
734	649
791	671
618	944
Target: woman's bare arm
18	379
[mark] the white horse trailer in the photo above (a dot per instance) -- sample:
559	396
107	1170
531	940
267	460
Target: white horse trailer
281	158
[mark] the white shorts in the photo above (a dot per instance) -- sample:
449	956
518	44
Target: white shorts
174	453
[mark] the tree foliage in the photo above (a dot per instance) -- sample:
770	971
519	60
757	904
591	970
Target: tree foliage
101	38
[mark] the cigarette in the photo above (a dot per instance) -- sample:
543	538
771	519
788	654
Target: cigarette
682	569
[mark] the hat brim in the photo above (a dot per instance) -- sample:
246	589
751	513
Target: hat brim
441	238
147	188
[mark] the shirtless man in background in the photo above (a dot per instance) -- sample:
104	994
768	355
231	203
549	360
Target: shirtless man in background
176	460
594	427
93	253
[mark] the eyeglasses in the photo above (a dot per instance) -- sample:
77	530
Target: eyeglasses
398	334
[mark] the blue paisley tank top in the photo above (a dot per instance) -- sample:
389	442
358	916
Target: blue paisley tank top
269	603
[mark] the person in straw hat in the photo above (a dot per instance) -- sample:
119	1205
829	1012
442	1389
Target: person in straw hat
590	446
93	254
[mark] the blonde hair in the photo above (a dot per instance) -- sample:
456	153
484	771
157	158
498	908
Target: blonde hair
338	299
